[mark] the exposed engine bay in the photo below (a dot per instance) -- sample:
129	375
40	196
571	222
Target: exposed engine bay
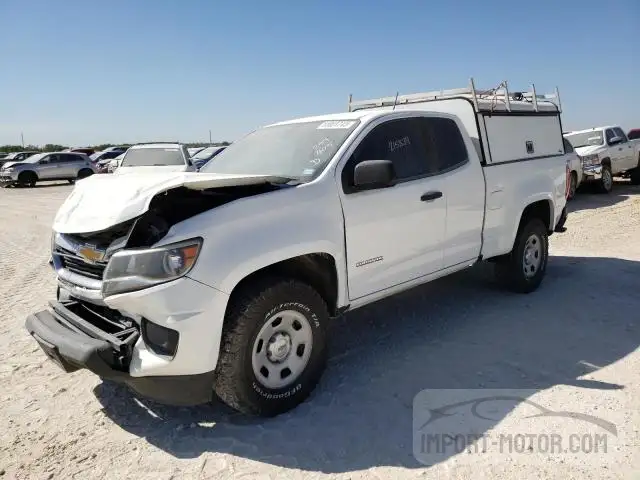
165	210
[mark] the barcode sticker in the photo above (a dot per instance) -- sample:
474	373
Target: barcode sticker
337	124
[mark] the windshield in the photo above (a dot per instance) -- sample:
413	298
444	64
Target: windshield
149	157
586	139
34	158
206	153
292	150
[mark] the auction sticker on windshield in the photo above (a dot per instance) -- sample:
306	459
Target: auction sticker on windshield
337	124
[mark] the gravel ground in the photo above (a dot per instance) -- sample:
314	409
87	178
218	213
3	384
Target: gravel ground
573	345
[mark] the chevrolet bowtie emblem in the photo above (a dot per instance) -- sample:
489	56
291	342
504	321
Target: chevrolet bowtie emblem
91	254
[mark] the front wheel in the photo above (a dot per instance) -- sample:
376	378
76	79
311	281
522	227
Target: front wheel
27	179
606	182
573	185
273	348
523	269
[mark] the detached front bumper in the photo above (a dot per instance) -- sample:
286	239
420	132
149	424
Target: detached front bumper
74	343
115	339
591	172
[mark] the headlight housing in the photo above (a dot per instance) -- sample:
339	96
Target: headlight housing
135	269
590	160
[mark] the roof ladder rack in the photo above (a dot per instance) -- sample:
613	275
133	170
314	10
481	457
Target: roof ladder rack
500	94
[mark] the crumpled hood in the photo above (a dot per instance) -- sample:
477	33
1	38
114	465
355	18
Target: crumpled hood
11	164
159	168
101	201
588	150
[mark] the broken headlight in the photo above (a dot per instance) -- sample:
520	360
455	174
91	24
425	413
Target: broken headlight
135	269
588	160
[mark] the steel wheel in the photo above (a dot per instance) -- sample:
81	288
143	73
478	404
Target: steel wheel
282	349
532	256
607	179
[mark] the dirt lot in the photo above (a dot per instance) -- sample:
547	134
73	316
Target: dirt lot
573	344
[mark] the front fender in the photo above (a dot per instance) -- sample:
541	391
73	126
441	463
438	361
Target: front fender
252	233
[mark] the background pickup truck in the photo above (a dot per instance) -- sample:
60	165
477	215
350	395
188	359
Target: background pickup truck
606	152
182	284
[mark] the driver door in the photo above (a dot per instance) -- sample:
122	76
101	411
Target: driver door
626	149
47	167
395	234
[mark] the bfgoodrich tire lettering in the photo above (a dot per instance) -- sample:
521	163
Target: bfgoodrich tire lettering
235	381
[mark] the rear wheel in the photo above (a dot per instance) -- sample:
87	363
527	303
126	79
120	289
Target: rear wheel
523	269
635	174
273	349
27	179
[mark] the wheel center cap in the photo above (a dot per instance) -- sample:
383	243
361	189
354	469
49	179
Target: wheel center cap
279	347
528	256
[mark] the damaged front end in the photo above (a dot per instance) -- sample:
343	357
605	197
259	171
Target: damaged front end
81	330
80	259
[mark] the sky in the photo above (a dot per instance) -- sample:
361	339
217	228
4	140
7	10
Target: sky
79	72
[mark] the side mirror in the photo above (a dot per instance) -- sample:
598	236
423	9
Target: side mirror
372	174
615	140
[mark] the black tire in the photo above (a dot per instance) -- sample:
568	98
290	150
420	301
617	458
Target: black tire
510	270
27	179
249	311
635	174
84	173
606	182
573	185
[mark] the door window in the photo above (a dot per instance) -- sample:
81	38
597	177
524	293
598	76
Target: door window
397	140
619	133
443	144
609	134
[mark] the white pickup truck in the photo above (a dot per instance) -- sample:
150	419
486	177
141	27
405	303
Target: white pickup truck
606	152
157	157
182	284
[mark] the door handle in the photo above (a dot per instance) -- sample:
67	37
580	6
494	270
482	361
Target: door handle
430	196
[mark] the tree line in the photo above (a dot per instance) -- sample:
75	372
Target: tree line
50	147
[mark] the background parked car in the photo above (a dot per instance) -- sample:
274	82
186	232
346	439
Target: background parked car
114	163
16	157
171	157
574	163
86	150
634	134
69	166
201	158
606	152
193	150
105	155
120	149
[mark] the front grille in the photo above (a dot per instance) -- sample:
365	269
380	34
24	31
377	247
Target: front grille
76	264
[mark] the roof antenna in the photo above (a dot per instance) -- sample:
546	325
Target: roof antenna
395	102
